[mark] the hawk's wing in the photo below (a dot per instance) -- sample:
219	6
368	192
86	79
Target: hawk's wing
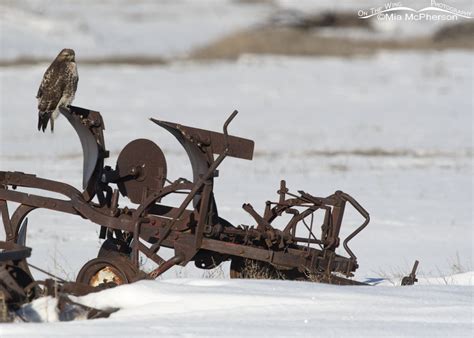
51	88
50	92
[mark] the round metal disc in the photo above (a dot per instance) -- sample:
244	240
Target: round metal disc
142	168
107	270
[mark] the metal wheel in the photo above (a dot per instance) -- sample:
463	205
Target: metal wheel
107	271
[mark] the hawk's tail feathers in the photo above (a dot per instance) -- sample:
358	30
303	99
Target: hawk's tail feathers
43	118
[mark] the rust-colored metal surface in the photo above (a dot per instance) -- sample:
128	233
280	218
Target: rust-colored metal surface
141	170
18	287
301	249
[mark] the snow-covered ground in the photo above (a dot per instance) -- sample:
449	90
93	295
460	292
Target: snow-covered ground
257	308
393	130
118	28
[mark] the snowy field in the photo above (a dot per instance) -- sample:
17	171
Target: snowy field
121	28
232	308
393	130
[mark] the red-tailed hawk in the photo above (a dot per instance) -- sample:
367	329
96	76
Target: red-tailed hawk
57	88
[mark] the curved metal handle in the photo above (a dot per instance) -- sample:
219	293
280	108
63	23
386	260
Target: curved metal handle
226	124
363	212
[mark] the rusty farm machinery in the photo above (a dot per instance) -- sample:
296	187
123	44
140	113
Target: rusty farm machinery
194	230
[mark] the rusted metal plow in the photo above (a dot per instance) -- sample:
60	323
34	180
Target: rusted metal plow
195	230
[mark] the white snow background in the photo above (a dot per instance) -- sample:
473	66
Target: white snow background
393	130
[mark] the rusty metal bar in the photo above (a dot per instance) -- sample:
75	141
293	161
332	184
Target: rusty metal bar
166	266
364	213
38	201
203	213
153	256
6	218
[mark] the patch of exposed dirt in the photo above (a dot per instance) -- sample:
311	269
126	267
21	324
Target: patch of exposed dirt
297	34
293	40
122	60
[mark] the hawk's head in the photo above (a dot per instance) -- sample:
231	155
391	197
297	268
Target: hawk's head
66	54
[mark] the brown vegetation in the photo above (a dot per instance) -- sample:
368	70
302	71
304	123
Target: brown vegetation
294	41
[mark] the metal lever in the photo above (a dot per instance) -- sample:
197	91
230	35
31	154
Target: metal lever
411	278
226	124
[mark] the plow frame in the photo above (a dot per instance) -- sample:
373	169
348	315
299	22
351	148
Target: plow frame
198	234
